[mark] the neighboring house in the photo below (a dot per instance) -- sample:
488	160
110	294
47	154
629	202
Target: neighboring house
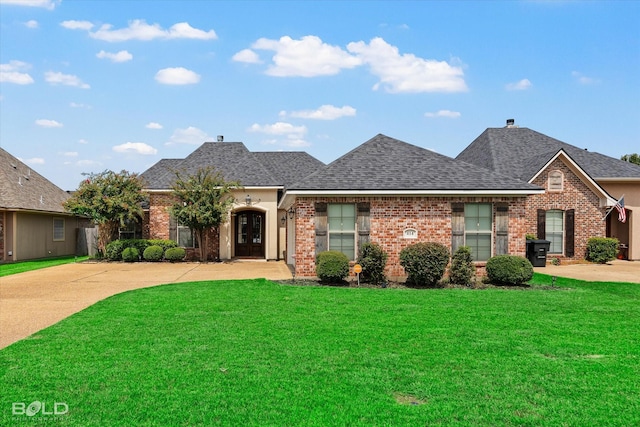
395	194
33	223
255	227
580	188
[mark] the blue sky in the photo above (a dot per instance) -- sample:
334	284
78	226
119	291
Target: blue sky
87	86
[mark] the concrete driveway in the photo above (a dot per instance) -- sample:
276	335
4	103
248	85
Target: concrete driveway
615	271
37	299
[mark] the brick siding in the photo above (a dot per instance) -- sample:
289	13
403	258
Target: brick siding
390	216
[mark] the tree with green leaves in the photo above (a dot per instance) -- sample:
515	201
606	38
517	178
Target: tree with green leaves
631	158
203	201
110	199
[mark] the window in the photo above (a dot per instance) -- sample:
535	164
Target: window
556	181
554	231
477	229
342	229
58	229
185	237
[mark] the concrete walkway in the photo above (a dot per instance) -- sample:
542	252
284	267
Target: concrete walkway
37	299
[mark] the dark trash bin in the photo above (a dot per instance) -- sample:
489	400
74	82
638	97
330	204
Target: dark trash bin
537	252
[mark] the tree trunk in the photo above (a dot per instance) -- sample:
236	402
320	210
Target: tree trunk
106	232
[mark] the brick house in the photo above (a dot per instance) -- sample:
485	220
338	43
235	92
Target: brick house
580	188
509	182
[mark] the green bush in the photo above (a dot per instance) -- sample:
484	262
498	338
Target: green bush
332	266
114	249
164	244
175	254
509	270
602	249
153	253
130	254
424	263
373	261
462	267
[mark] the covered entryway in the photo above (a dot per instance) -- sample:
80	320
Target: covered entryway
249	234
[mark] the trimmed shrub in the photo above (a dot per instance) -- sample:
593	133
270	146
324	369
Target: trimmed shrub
602	249
114	249
332	266
424	263
462	267
509	270
373	261
164	244
130	254
153	253
175	254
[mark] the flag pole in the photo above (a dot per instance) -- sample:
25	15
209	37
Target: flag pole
612	207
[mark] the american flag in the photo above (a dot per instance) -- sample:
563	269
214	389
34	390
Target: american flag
622	214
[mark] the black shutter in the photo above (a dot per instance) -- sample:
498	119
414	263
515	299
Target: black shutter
502	229
542	217
321	227
363	222
457	226
569	232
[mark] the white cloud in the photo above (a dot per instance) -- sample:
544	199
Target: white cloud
122	56
286	133
87	162
77	25
70	154
47	4
307	57
153	125
177	76
31	24
82	141
135	147
406	72
64	79
34	161
78	105
325	112
190	135
140	30
248	56
523	84
444	113
582	79
13	72
46	123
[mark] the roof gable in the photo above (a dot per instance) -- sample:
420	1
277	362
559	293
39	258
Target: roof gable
387	164
23	188
521	152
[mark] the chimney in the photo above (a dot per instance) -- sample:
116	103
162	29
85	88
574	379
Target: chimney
511	123
220	138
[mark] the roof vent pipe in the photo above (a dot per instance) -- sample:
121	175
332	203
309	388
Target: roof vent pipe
220	138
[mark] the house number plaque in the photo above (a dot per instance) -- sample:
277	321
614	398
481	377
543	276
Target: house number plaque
410	233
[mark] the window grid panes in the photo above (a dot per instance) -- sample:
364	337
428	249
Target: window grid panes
554	230
341	220
58	229
477	229
185	237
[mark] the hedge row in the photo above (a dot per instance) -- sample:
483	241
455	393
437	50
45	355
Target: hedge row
131	250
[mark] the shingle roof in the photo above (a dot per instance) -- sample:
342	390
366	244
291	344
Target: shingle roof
521	152
236	163
385	163
23	188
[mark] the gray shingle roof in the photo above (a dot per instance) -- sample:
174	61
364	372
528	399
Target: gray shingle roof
236	163
522	152
23	188
385	163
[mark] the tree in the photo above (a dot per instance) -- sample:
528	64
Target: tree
203	201
631	158
110	199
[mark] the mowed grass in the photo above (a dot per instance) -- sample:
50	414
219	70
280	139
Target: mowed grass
257	353
22	266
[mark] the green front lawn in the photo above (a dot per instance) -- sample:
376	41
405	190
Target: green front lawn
22	266
241	353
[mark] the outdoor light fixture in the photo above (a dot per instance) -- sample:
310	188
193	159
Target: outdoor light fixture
291	212
283	219
248	202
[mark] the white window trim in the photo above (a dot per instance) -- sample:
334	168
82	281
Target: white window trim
562	239
490	232
354	232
